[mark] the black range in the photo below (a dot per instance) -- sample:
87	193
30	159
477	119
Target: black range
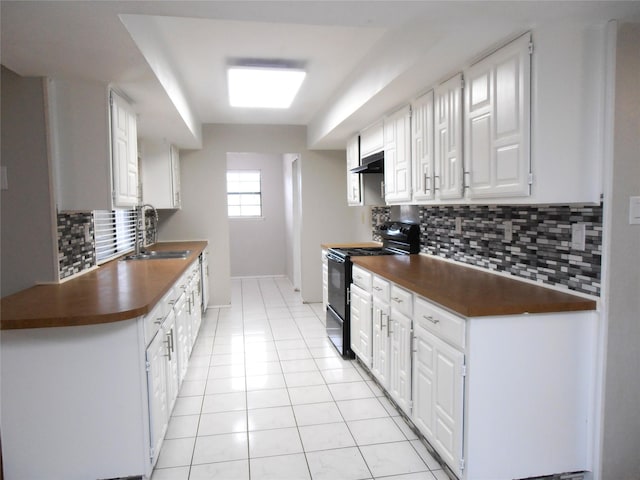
398	238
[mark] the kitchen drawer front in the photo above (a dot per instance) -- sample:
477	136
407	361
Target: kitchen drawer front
401	300
445	325
362	278
152	322
381	288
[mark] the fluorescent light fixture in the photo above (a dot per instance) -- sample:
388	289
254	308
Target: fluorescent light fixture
263	87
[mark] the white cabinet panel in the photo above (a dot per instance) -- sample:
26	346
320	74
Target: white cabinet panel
361	324
124	152
161	175
438	389
93	146
448	137
371	140
354	180
400	360
422	153
397	156
380	341
497	103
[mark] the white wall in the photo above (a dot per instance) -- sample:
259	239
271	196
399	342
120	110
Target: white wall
621	436
257	245
29	248
325	215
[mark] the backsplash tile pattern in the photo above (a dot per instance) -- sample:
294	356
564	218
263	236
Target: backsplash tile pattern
540	249
75	254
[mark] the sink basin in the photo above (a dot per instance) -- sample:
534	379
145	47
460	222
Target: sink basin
158	254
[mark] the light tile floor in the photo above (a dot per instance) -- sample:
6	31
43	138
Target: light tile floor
267	397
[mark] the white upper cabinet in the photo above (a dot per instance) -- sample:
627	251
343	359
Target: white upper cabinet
496	107
161	175
124	151
422	160
397	156
448	137
371	140
354	180
86	167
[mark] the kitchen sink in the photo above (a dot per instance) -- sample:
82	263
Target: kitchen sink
158	254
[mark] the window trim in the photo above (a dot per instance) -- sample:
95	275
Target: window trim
259	193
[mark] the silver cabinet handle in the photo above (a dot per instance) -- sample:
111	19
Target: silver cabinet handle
168	342
435	321
377	289
397	299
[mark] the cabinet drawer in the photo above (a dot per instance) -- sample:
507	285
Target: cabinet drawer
445	325
362	278
152	322
380	288
401	300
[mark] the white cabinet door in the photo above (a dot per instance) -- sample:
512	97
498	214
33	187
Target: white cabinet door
157	385
400	360
194	303
497	103
182	336
361	324
124	152
170	338
204	275
380	341
354	180
448	137
438	389
371	140
397	156
325	280
424	372
422	159
175	177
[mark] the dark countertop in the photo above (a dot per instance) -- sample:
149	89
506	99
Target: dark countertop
469	291
115	291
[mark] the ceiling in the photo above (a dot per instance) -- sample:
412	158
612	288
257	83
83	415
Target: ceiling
363	57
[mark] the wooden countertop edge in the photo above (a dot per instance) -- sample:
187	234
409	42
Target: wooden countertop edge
196	248
577	303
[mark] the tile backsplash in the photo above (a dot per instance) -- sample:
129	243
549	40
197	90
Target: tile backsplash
540	248
75	253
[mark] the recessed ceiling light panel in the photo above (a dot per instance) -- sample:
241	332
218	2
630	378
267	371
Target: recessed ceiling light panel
263	87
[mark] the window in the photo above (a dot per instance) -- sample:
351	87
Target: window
115	232
244	195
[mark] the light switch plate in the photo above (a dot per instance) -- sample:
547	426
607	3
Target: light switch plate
634	210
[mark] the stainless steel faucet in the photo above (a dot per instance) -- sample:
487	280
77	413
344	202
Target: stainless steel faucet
139	242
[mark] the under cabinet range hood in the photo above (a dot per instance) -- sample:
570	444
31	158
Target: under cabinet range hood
374	163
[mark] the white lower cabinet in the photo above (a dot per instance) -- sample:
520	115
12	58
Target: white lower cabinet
400	360
171	330
497	397
162	381
361	324
438	394
380	341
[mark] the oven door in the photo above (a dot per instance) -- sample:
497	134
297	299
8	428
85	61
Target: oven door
339	278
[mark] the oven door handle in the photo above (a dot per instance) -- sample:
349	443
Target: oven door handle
334	257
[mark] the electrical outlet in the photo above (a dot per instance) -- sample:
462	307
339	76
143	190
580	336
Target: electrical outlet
458	225
508	230
578	233
87	233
